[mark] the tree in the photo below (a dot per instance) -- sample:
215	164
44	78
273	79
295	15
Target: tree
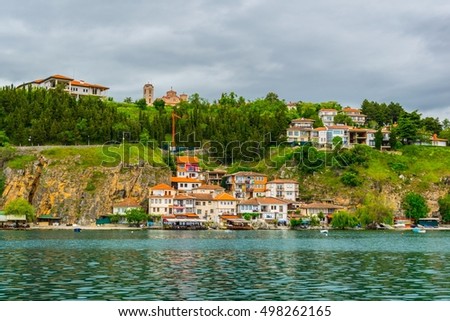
378	139
136	216
375	210
19	207
408	127
4	140
343	118
141	103
415	206
444	208
343	220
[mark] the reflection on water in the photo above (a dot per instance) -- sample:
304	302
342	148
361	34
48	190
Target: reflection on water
220	265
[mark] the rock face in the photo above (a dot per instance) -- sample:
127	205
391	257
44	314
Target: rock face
79	194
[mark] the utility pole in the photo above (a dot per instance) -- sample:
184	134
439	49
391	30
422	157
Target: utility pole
174	116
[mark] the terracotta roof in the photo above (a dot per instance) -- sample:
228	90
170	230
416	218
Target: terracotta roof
184	197
212	187
224	197
283	181
300	129
251	201
85	84
350	109
57	76
188	215
184	180
300	120
128	202
187	160
161	187
202	196
320	129
271	200
328	109
338	127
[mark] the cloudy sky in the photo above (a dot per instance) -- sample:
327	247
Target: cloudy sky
318	50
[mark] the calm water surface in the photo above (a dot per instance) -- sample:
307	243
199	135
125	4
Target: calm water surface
221	265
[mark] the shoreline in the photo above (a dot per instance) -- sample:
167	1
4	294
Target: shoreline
133	228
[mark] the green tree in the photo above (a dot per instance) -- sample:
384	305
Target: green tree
4	140
343	118
444	208
19	207
375	210
351	178
136	216
408	127
415	206
343	220
378	139
141	104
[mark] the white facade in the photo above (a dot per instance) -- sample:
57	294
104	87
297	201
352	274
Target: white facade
269	208
327	116
285	189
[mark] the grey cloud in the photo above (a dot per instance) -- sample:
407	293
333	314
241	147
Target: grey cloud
303	50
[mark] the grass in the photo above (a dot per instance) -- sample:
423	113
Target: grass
21	161
106	156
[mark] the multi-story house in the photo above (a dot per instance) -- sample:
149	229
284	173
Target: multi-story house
283	188
268	208
300	130
341	131
213	190
327	116
184	184
161	199
246	184
225	204
188	166
214	177
314	209
183	204
121	208
358	119
319	137
76	88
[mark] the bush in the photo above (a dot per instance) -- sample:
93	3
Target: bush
351	179
415	206
343	220
20	206
444	208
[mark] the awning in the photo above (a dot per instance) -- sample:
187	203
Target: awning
48	217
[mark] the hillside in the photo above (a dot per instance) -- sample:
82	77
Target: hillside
80	183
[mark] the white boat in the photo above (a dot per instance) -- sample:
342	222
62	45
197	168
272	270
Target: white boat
419	230
325	232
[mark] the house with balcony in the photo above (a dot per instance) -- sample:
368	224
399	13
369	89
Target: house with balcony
319	137
214	177
243	185
188	166
283	188
341	131
268	208
225	204
76	88
314	209
327	116
183	203
300	130
213	190
358	119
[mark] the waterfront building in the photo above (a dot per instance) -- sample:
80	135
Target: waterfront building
267	208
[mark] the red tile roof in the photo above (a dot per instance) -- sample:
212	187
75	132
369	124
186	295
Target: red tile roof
128	202
224	197
161	187
184	180
187	160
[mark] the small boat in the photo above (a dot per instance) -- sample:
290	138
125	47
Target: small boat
77	229
419	230
324	232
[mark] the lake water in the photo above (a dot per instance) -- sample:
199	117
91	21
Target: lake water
224	265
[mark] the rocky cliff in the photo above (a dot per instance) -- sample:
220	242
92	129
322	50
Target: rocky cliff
78	194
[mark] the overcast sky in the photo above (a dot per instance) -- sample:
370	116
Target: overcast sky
319	50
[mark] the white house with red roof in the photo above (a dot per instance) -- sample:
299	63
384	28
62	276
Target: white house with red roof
300	130
327	116
161	199
188	166
269	208
76	88
283	188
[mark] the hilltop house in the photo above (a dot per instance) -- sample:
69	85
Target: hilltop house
358	119
76	88
327	116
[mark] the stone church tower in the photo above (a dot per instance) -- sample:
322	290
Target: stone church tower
149	94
